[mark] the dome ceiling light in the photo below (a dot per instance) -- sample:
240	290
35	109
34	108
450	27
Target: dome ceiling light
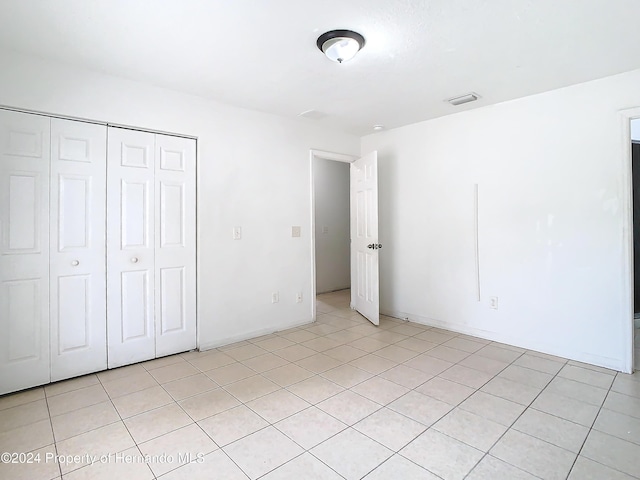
340	45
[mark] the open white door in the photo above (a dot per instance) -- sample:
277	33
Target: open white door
365	295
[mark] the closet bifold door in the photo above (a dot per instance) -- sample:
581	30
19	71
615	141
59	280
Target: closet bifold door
130	246
77	248
175	242
24	250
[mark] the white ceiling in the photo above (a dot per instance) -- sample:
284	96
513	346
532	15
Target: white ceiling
262	54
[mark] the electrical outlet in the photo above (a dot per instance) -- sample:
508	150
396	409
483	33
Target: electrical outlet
325	230
295	231
275	297
493	302
299	297
237	233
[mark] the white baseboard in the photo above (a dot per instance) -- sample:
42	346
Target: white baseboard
600	361
249	335
339	289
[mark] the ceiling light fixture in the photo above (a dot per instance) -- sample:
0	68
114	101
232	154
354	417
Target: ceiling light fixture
377	128
470	97
340	45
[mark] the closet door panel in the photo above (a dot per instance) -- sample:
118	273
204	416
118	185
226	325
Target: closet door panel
24	250
135	299
130	246
78	264
175	177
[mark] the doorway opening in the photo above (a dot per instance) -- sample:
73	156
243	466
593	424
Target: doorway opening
330	219
635	205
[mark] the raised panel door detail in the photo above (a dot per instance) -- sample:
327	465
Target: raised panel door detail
364	237
136	156
172	214
368	275
369	212
24	211
175	242
361	214
24	144
135	305
74	308
131	280
172	307
368	173
361	274
74	194
364	213
78	256
172	159
366	263
24	318
135	214
24	250
74	149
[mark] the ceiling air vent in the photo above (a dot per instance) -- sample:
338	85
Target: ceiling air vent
470	97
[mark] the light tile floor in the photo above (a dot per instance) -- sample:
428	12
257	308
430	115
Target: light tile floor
337	399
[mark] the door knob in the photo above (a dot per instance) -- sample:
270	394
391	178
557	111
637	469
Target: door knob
374	246
371	245
134	260
75	263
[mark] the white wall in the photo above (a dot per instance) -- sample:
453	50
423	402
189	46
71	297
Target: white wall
635	130
331	189
253	172
552	220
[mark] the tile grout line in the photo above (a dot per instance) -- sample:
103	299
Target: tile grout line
315	405
125	426
513	423
53	433
269	424
314	374
458	406
374	376
595	419
427	427
176	429
196	421
564	364
550	443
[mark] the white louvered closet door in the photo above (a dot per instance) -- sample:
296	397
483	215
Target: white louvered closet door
77	248
175	242
24	250
130	246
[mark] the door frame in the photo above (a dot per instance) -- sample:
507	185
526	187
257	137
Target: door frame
627	241
313	156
